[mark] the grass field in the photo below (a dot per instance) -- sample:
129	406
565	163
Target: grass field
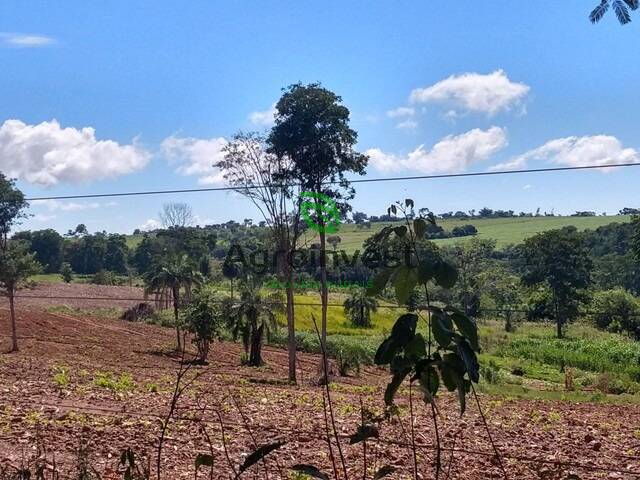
504	231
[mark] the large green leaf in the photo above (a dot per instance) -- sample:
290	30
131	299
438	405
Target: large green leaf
426	269
405	328
259	454
442	328
400	231
445	274
417	348
430	382
386	351
379	282
404	280
468	327
394	385
419	227
470	360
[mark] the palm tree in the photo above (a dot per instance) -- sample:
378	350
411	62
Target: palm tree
359	307
253	316
620	7
178	272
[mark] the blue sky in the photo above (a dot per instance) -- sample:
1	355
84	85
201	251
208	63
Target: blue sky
145	92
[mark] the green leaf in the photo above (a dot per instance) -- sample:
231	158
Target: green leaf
426	270
394	385
408	202
259	454
404	280
419	227
417	348
445	274
379	283
311	471
363	433
452	371
383	472
405	328
470	360
430	382
386	351
400	231
442	329
204	460
467	327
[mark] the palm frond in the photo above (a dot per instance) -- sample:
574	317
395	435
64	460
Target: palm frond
598	12
632	4
622	12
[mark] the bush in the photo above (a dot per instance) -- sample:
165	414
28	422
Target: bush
139	312
617	311
105	277
204	317
67	272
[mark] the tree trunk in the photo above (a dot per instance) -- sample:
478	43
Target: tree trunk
287	270
176	299
255	357
324	295
14	330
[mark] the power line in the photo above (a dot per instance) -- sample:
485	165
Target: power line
357	180
273	304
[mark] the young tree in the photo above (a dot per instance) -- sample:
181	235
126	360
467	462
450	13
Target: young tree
258	175
176	273
505	290
204	319
12	206
176	214
559	260
16	265
67	272
253	316
359	307
312	130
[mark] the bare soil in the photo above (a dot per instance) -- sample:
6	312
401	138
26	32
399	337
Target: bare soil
536	440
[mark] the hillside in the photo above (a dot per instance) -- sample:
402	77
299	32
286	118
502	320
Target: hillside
504	230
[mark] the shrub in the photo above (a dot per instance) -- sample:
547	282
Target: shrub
204	317
617	311
67	272
139	312
123	383
105	277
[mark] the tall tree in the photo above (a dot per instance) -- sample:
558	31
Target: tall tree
16	265
312	130
559	260
258	175
176	214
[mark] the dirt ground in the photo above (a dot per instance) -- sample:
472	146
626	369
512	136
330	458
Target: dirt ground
72	411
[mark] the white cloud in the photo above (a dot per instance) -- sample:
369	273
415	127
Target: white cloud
401	112
25	40
474	92
41	217
576	151
47	154
453	153
197	157
57	205
150	224
407	125
527	187
265	118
